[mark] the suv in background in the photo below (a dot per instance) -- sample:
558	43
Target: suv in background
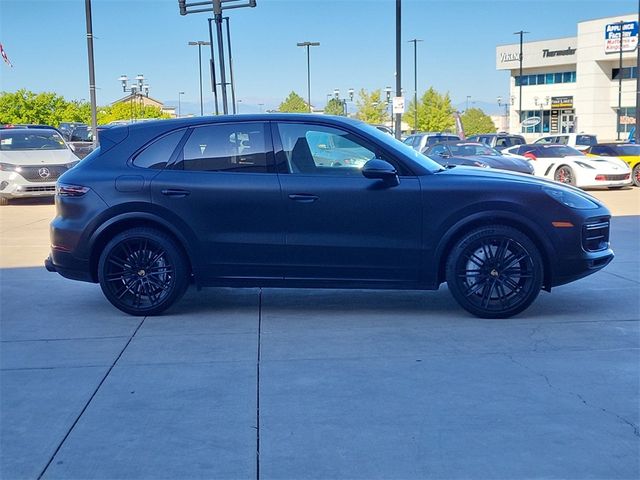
579	141
420	141
499	141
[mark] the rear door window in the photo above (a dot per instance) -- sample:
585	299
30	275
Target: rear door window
586	140
232	147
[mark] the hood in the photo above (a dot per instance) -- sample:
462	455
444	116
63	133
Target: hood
505	163
603	164
38	157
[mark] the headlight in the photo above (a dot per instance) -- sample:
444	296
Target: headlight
570	199
72	164
9	167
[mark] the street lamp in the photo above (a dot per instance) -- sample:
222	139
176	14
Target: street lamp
200	43
308	45
387	91
238	102
134	88
415	81
179	105
521	33
506	104
343	101
540	103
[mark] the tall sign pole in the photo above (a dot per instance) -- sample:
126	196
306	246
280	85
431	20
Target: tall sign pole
92	74
398	123
521	33
621	23
637	132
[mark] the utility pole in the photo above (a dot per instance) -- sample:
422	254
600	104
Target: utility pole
398	126
637	132
92	74
415	82
621	23
521	33
308	45
200	43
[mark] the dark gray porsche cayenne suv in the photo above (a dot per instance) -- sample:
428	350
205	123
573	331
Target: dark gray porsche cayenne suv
256	200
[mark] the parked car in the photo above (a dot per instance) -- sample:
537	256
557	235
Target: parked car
161	204
476	155
499	141
579	141
67	127
29	125
628	152
568	165
80	139
31	160
419	141
385	129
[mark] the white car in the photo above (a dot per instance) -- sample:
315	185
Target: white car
31	160
568	165
579	141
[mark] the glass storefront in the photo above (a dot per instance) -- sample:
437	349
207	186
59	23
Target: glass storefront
627	119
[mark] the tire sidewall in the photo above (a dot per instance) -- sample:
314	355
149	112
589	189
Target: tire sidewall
175	256
493	231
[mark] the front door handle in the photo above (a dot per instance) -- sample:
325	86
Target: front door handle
303	197
175	192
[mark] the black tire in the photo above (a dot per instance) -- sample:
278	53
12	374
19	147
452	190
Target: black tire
494	271
143	271
564	174
635	175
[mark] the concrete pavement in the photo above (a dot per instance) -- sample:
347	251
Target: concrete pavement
315	383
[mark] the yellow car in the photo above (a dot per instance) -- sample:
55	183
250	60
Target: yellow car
628	152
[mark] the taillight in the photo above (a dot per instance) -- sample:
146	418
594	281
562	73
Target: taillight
65	190
530	156
600	178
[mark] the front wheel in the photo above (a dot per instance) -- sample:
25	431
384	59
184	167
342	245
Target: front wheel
143	271
635	175
494	271
564	174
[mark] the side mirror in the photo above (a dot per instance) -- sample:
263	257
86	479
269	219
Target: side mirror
379	169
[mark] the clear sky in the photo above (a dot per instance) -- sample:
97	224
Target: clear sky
46	42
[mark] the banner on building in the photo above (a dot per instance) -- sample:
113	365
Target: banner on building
612	34
562	102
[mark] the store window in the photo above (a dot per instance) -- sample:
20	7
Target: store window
546	78
627	119
542	127
627	73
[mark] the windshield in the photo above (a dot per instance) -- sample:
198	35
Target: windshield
80	134
626	150
552	151
467	150
416	156
31	140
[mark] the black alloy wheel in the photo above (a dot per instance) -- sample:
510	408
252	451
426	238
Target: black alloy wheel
564	174
142	271
635	175
494	272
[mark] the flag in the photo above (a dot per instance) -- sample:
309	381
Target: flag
3	54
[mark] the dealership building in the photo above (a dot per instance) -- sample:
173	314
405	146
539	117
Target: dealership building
570	85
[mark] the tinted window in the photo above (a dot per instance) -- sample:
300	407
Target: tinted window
158	153
626	150
316	149
563	139
517	140
470	150
233	147
437	150
598	151
555	151
586	140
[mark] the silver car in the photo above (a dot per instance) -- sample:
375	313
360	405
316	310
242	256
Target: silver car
31	160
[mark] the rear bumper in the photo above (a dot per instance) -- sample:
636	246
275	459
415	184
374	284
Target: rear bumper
68	266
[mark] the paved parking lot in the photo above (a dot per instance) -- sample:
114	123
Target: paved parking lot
316	383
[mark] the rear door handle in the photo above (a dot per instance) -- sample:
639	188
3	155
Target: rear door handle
175	192
303	197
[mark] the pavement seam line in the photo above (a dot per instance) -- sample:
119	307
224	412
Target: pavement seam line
84	409
258	386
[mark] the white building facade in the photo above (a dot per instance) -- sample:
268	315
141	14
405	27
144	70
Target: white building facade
570	85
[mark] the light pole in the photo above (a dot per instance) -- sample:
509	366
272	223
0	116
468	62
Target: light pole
415	82
467	107
135	89
521	33
387	91
621	24
179	104
398	126
506	109
343	101
200	43
92	74
261	105
238	102
308	45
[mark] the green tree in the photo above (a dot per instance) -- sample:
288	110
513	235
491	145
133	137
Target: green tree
476	121
371	108
25	106
435	112
334	107
127	111
294	103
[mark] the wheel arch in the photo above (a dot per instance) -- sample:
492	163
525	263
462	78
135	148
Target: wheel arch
126	221
524	225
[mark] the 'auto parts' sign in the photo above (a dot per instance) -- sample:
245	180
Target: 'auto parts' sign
612	34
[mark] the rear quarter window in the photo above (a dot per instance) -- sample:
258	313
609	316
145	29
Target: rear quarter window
157	154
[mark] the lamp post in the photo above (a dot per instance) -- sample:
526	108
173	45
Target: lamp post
540	103
179	104
521	33
200	43
506	108
92	74
343	101
135	89
238	102
415	82
387	91
308	45
619	126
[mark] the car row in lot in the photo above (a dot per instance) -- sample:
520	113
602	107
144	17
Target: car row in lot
252	201
629	152
450	154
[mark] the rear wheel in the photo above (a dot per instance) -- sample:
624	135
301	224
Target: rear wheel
564	174
143	271
494	272
635	175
